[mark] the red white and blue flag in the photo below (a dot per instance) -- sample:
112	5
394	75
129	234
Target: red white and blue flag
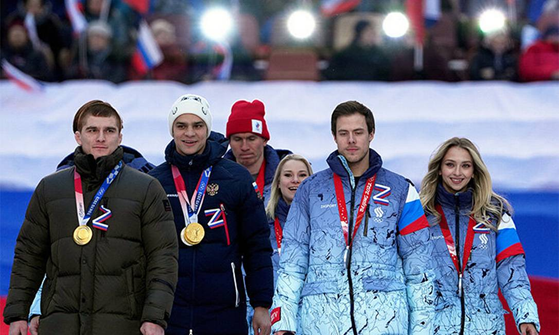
141	6
413	217
78	21
330	8
148	54
422	14
21	79
223	70
508	243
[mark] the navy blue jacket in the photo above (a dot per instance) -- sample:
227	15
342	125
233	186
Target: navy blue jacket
210	296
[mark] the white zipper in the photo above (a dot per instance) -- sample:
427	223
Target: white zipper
235	282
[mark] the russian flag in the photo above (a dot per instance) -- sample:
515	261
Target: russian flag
78	21
140	6
508	243
413	217
223	70
148	54
330	8
422	13
21	79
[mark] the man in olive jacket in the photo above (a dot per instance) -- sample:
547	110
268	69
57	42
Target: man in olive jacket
104	235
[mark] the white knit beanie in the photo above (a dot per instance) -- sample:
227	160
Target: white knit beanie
191	104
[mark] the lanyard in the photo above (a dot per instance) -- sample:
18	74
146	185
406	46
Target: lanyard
342	210
260	178
452	246
191	213
83	217
279	233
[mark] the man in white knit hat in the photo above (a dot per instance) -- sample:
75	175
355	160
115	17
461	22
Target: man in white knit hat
222	225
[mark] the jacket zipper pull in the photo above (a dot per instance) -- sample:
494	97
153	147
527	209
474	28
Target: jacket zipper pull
346	260
367	214
460	285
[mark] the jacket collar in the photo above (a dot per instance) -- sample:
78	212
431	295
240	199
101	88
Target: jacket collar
92	170
339	166
210	156
448	199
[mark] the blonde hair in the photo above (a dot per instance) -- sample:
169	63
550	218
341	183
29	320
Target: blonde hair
276	193
486	203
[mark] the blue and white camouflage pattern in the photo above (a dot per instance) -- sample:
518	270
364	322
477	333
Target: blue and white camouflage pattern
483	276
392	280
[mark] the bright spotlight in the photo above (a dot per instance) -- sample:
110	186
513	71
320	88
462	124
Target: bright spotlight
217	24
301	24
395	25
491	20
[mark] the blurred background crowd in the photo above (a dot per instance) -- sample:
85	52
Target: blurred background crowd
251	40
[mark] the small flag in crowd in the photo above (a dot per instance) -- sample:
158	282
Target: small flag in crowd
422	13
76	16
333	7
21	79
223	70
140	6
148	54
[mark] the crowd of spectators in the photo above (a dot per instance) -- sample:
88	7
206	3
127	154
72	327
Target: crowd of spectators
38	39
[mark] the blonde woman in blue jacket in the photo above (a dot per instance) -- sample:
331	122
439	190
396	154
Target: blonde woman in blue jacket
461	206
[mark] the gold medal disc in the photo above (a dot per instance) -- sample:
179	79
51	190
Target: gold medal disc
193	233
82	235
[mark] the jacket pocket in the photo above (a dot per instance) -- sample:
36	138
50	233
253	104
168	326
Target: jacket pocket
49	286
235	286
320	287
131	295
382	284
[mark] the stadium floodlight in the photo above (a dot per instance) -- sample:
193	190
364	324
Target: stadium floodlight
301	24
395	24
217	24
492	20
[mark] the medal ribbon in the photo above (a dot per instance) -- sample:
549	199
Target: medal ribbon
452	246
279	233
83	217
260	178
190	211
367	192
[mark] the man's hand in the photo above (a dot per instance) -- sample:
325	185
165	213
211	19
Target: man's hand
261	323
34	325
19	328
528	329
149	328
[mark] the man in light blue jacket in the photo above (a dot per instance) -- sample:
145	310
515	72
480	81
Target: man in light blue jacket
355	251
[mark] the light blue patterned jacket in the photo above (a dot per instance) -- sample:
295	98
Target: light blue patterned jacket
387	286
496	262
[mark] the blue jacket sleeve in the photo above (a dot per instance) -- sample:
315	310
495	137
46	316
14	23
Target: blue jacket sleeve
256	248
294	263
35	308
515	286
415	250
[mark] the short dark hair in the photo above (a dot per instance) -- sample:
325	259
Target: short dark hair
353	107
95	108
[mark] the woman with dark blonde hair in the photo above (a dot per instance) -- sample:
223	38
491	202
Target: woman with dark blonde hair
460	204
290	173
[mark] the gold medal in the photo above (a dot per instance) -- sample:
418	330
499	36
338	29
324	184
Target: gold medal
82	235
192	234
